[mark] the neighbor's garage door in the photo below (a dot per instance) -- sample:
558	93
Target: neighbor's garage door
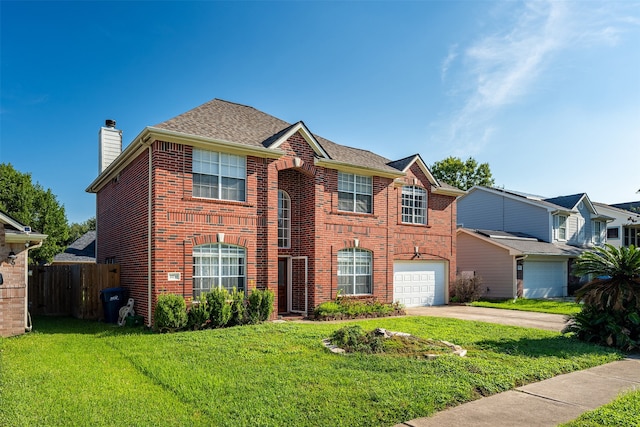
417	283
544	279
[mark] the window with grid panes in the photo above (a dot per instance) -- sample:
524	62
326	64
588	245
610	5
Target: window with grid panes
218	175
355	193
354	271
217	266
414	205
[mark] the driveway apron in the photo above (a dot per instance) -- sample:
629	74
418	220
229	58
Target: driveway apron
526	319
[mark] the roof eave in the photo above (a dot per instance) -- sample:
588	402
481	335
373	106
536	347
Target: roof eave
151	134
448	191
351	168
24	237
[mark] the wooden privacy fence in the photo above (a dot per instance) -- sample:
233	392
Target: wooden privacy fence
71	289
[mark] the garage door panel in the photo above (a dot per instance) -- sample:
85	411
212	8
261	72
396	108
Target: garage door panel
419	283
544	279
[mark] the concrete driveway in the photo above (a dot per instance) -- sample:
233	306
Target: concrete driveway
527	319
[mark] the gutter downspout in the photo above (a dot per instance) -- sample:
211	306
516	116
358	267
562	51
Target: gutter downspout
27	318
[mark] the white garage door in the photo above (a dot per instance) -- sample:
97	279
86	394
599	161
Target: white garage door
544	279
418	283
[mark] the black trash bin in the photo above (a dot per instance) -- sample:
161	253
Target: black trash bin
112	300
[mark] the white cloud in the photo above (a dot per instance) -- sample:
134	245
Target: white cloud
504	67
453	54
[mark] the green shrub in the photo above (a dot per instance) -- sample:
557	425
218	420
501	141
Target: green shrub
328	308
198	315
354	308
219	308
170	313
266	305
253	306
237	308
607	327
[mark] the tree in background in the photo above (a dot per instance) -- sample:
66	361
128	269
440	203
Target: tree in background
32	205
77	230
462	175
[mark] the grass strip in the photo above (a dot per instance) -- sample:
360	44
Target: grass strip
622	412
542	306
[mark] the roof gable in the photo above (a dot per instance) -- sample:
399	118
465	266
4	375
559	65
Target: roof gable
405	164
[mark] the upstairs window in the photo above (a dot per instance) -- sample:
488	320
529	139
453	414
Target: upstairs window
217	266
597	232
560	227
355	193
218	175
354	271
284	220
414	205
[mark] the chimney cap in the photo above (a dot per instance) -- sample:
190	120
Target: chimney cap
110	123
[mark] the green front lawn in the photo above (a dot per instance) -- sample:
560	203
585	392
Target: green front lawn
70	372
539	305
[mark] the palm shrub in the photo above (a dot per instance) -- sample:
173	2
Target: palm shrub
170	313
611	300
617	277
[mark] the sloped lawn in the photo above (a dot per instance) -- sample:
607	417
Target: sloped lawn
70	372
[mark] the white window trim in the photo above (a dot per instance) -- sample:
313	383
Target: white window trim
355	192
220	175
217	257
557	228
286	230
352	253
413	208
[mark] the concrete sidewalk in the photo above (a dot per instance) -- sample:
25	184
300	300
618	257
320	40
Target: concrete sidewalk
547	403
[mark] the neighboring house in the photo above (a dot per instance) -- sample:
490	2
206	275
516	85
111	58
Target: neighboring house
15	242
227	196
524	245
83	250
624	230
630	232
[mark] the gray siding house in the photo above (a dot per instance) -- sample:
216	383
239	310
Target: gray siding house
524	245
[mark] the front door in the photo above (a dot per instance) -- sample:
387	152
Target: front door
283	281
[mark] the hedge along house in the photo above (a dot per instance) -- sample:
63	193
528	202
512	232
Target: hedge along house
227	196
16	240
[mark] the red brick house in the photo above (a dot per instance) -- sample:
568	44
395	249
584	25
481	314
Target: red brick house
15	242
227	196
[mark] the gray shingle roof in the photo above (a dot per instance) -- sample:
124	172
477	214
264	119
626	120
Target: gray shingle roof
241	124
568	202
82	250
529	245
628	206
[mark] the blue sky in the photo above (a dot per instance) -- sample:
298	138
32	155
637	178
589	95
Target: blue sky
548	93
